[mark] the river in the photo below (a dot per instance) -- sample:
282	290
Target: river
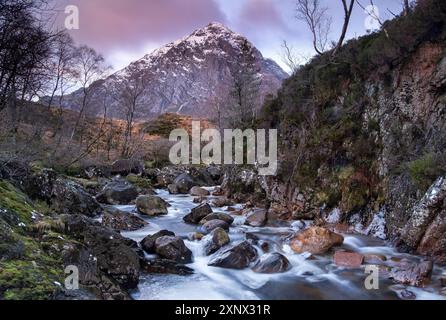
315	278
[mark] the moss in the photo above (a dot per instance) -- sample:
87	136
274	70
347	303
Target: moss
425	170
25	280
138	181
14	200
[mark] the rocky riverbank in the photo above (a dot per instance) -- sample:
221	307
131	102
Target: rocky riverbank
108	223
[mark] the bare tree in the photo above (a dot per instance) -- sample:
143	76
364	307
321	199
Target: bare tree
290	57
318	21
406	7
128	92
348	10
92	68
244	96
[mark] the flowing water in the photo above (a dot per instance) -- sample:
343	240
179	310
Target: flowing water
314	278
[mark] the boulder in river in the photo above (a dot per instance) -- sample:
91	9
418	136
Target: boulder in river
125	167
418	274
198	213
272	263
117	192
348	259
184	182
256	218
239	256
199	192
148	243
222	202
151	205
218	216
173	248
212	225
172	188
315	240
215	240
164	266
121	221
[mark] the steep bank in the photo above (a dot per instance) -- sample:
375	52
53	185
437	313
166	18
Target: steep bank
366	133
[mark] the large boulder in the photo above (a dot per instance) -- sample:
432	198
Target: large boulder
272	263
121	221
184	183
256	218
125	167
217	239
212	225
148	243
237	257
222	202
199	192
198	213
315	240
117	192
67	197
164	266
413	274
115	256
348	259
218	216
173	248
151	205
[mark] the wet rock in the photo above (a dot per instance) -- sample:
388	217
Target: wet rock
151	205
148	243
238	257
184	183
195	236
199	200
164	266
67	197
416	275
125	167
218	192
213	224
217	216
272	263
172	188
222	202
199	192
252	237
122	221
117	192
443	282
315	240
374	258
256	218
407	295
215	240
264	245
348	259
173	248
198	213
113	254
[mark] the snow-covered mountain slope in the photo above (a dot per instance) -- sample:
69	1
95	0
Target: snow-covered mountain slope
187	76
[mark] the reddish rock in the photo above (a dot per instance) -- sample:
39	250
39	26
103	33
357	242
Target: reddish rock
348	259
218	192
315	240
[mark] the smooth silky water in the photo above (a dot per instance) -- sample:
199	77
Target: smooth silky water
308	278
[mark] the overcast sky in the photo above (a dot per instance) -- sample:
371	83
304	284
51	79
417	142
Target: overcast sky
126	30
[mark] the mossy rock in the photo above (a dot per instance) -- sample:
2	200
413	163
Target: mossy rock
14	200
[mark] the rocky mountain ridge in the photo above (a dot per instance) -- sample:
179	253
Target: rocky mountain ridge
186	76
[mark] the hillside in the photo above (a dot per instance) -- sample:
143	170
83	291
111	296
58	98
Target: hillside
366	132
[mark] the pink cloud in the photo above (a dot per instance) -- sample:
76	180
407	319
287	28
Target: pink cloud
117	24
262	13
